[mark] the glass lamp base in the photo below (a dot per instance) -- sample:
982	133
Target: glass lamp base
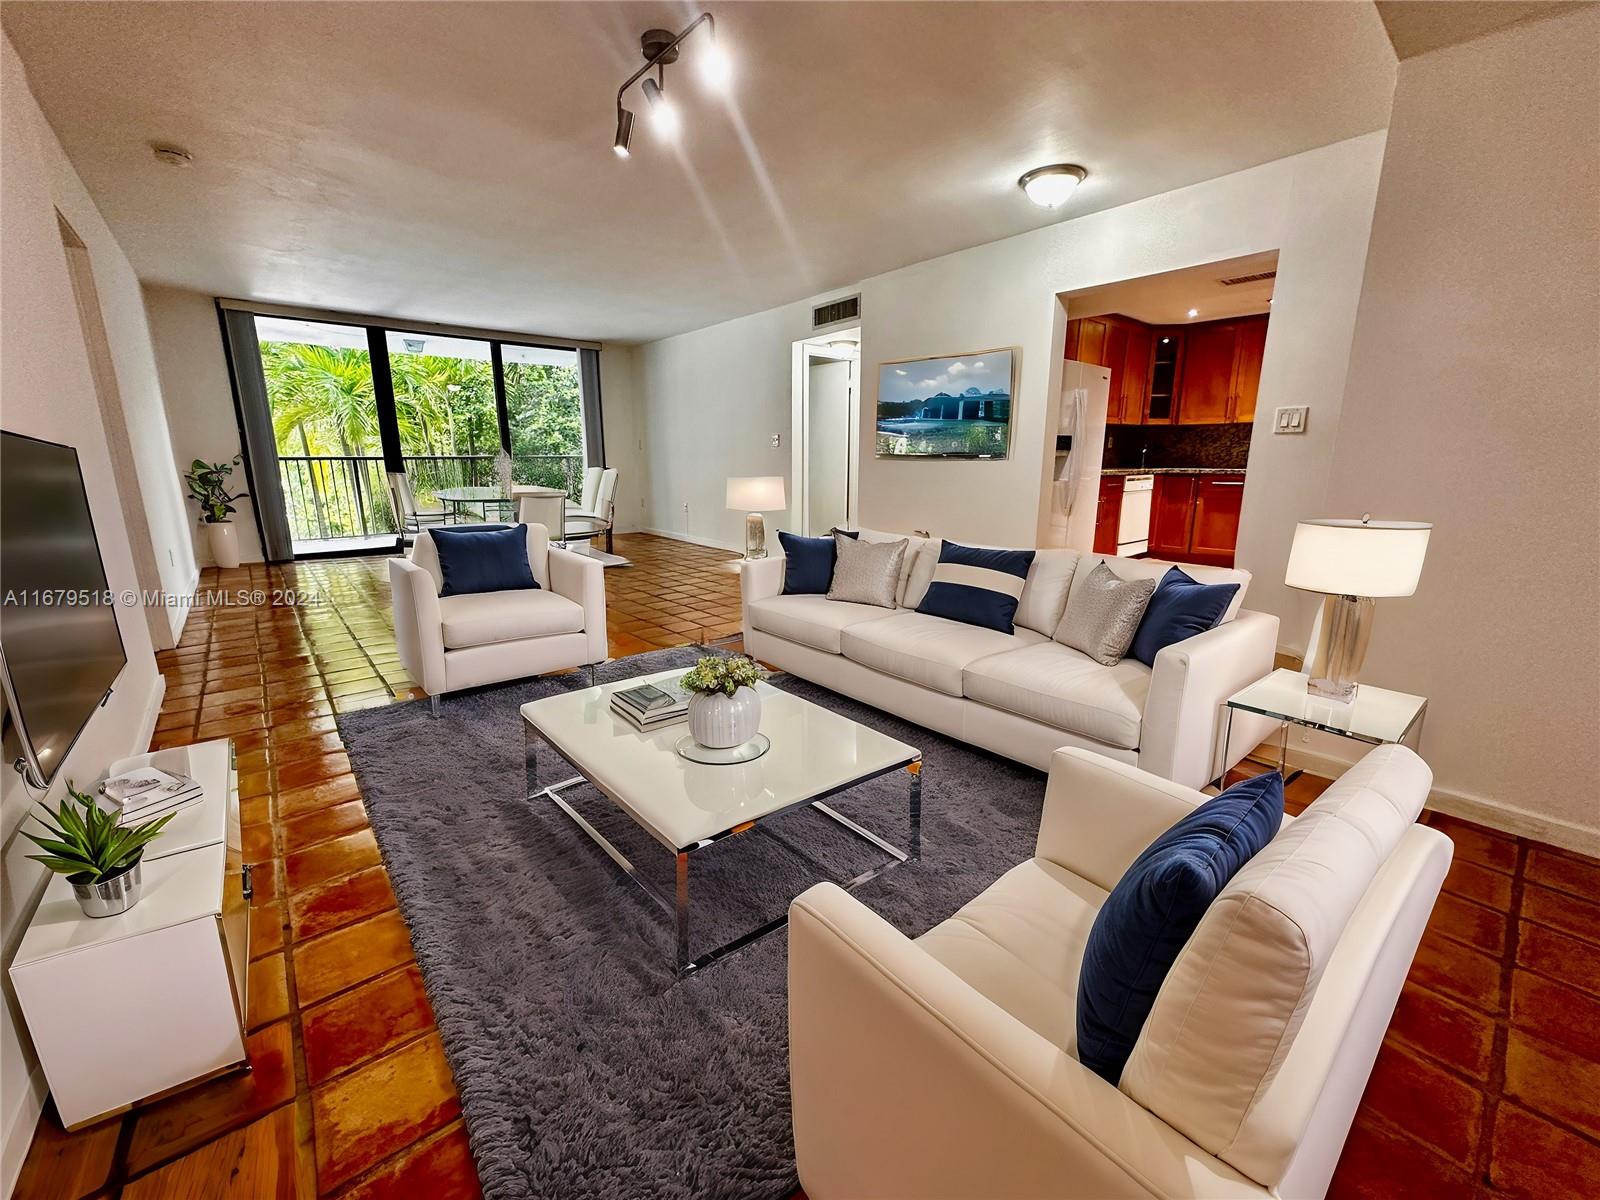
1340	647
755	536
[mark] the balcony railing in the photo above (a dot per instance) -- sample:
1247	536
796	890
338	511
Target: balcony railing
347	496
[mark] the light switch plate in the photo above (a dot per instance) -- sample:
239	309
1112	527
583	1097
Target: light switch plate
777	439
1291	420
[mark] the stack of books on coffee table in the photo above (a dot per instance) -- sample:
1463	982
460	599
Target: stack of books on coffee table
648	707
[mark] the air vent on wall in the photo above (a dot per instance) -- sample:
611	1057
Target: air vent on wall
834	311
1256	278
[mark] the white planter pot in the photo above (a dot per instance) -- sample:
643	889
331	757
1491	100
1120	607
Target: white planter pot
224	543
721	722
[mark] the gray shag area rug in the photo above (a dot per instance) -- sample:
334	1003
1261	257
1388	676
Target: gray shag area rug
586	1068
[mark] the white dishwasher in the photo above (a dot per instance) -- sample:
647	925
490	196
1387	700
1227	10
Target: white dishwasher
1133	527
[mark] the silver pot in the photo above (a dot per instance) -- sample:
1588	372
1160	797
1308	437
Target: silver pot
110	894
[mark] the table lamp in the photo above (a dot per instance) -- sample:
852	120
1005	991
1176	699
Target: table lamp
754	495
1351	563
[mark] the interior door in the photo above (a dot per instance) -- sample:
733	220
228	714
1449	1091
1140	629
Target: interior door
827	444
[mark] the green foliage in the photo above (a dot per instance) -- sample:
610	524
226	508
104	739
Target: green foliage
716	673
89	843
324	407
208	485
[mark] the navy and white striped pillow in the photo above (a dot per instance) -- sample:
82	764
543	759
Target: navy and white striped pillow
978	587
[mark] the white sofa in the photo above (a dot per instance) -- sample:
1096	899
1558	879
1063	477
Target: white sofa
454	642
945	1068
1023	695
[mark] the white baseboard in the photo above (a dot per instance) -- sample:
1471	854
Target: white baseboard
677	536
1496	814
19	1132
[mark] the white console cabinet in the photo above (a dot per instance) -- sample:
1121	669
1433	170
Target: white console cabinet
124	1008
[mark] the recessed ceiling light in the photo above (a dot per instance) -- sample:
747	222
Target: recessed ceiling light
1194	312
171	156
1052	186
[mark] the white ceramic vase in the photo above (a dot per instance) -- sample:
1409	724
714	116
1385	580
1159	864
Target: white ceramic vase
224	543
721	722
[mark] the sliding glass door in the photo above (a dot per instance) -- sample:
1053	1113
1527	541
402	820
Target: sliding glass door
544	414
444	405
325	423
328	409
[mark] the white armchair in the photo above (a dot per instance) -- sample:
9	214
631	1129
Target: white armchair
454	642
946	1068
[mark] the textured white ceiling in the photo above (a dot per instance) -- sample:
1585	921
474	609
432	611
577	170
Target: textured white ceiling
452	162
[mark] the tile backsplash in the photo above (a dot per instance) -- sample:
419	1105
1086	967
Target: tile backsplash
1178	445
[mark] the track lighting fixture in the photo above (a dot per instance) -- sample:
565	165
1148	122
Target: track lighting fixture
660	48
624	132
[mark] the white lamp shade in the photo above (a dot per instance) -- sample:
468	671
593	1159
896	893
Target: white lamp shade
756	493
1358	558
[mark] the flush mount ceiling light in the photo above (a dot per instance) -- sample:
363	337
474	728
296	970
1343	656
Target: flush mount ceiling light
660	48
1052	186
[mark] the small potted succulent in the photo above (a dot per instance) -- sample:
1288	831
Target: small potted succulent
99	857
208	487
725	710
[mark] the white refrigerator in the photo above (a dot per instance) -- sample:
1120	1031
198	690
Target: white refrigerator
1074	456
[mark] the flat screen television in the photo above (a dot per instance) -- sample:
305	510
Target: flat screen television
60	648
952	407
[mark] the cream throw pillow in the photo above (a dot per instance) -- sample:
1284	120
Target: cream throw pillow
866	572
1103	615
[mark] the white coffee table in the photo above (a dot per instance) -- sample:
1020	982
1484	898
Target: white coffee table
688	806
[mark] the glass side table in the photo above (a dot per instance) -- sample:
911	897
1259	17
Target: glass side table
1376	716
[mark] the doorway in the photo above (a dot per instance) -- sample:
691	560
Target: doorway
826	431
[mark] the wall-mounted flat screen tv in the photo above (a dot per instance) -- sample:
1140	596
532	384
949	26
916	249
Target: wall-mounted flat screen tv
60	648
952	407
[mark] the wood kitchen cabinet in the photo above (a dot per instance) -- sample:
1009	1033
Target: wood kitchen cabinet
1122	345
1214	533
1195	518
1108	515
1171	516
1221	371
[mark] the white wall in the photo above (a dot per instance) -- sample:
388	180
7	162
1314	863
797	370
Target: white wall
47	390
713	397
194	378
1473	401
155	511
712	400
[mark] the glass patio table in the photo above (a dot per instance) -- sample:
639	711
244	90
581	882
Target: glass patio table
459	497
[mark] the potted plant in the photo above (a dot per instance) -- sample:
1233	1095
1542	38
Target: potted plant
208	485
725	710
99	857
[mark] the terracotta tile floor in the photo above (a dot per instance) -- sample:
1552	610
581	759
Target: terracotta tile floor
1488	1083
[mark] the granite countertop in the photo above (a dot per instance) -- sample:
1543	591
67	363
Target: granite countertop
1173	471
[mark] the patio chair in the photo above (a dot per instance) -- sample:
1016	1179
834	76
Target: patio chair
410	519
590	522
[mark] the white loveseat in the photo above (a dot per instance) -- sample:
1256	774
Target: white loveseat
454	642
946	1068
1023	695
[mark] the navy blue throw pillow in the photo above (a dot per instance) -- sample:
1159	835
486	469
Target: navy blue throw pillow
808	565
1155	908
483	560
977	587
1180	608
